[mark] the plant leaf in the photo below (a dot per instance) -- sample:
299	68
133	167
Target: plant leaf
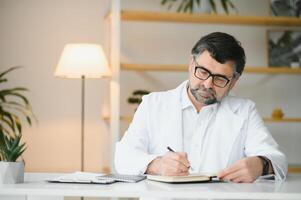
8	118
20	96
181	6
9	70
140	92
134	100
16	152
163	2
232	6
213	5
188	7
3	80
225	6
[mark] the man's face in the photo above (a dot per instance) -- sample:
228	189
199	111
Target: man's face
209	91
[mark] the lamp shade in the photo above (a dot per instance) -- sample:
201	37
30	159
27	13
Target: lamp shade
79	60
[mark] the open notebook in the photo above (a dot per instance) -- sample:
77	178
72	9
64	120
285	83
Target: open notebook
86	177
191	178
80	177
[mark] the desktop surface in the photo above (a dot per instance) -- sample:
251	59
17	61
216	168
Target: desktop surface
35	184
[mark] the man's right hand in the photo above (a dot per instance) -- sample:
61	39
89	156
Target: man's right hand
171	164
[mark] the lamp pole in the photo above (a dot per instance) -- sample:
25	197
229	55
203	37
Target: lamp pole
83	125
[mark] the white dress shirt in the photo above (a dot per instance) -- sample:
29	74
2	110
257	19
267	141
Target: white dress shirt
197	132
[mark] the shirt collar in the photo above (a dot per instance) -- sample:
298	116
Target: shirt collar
186	102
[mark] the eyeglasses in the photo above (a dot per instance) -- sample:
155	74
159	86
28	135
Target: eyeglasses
217	79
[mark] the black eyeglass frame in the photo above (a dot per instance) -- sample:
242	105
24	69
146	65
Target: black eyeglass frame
210	74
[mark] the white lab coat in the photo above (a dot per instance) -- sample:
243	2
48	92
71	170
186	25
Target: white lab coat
158	123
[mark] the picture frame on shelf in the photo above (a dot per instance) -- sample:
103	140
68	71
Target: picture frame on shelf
284	48
289	8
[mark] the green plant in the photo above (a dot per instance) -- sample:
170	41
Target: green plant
136	97
188	5
14	108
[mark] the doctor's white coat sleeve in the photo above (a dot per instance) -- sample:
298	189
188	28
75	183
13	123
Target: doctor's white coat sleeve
260	142
131	153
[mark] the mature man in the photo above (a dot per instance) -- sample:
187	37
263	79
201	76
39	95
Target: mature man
209	130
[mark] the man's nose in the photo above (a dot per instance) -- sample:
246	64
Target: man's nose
208	83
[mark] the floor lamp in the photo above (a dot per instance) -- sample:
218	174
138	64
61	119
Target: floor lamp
82	61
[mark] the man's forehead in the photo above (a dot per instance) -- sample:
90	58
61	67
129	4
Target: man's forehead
207	61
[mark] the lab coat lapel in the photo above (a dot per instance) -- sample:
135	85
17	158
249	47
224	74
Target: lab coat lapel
174	122
229	125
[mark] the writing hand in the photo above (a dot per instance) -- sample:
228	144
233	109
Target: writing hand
171	164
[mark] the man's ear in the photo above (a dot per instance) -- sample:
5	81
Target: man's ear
233	82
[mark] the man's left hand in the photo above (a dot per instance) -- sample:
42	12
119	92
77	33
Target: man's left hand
246	170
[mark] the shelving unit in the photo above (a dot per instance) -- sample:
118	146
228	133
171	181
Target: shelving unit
294	169
282	120
117	15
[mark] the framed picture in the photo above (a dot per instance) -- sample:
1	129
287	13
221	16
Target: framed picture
284	48
286	8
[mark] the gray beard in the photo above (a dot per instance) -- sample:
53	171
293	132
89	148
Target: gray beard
210	99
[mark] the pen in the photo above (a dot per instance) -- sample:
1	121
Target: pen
171	150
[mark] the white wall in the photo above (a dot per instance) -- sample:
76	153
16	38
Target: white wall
33	33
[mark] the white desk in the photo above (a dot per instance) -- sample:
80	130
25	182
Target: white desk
35	185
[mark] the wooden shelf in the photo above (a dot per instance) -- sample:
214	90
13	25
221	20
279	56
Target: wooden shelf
153	67
183	68
273	70
209	18
294	169
127	119
282	120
